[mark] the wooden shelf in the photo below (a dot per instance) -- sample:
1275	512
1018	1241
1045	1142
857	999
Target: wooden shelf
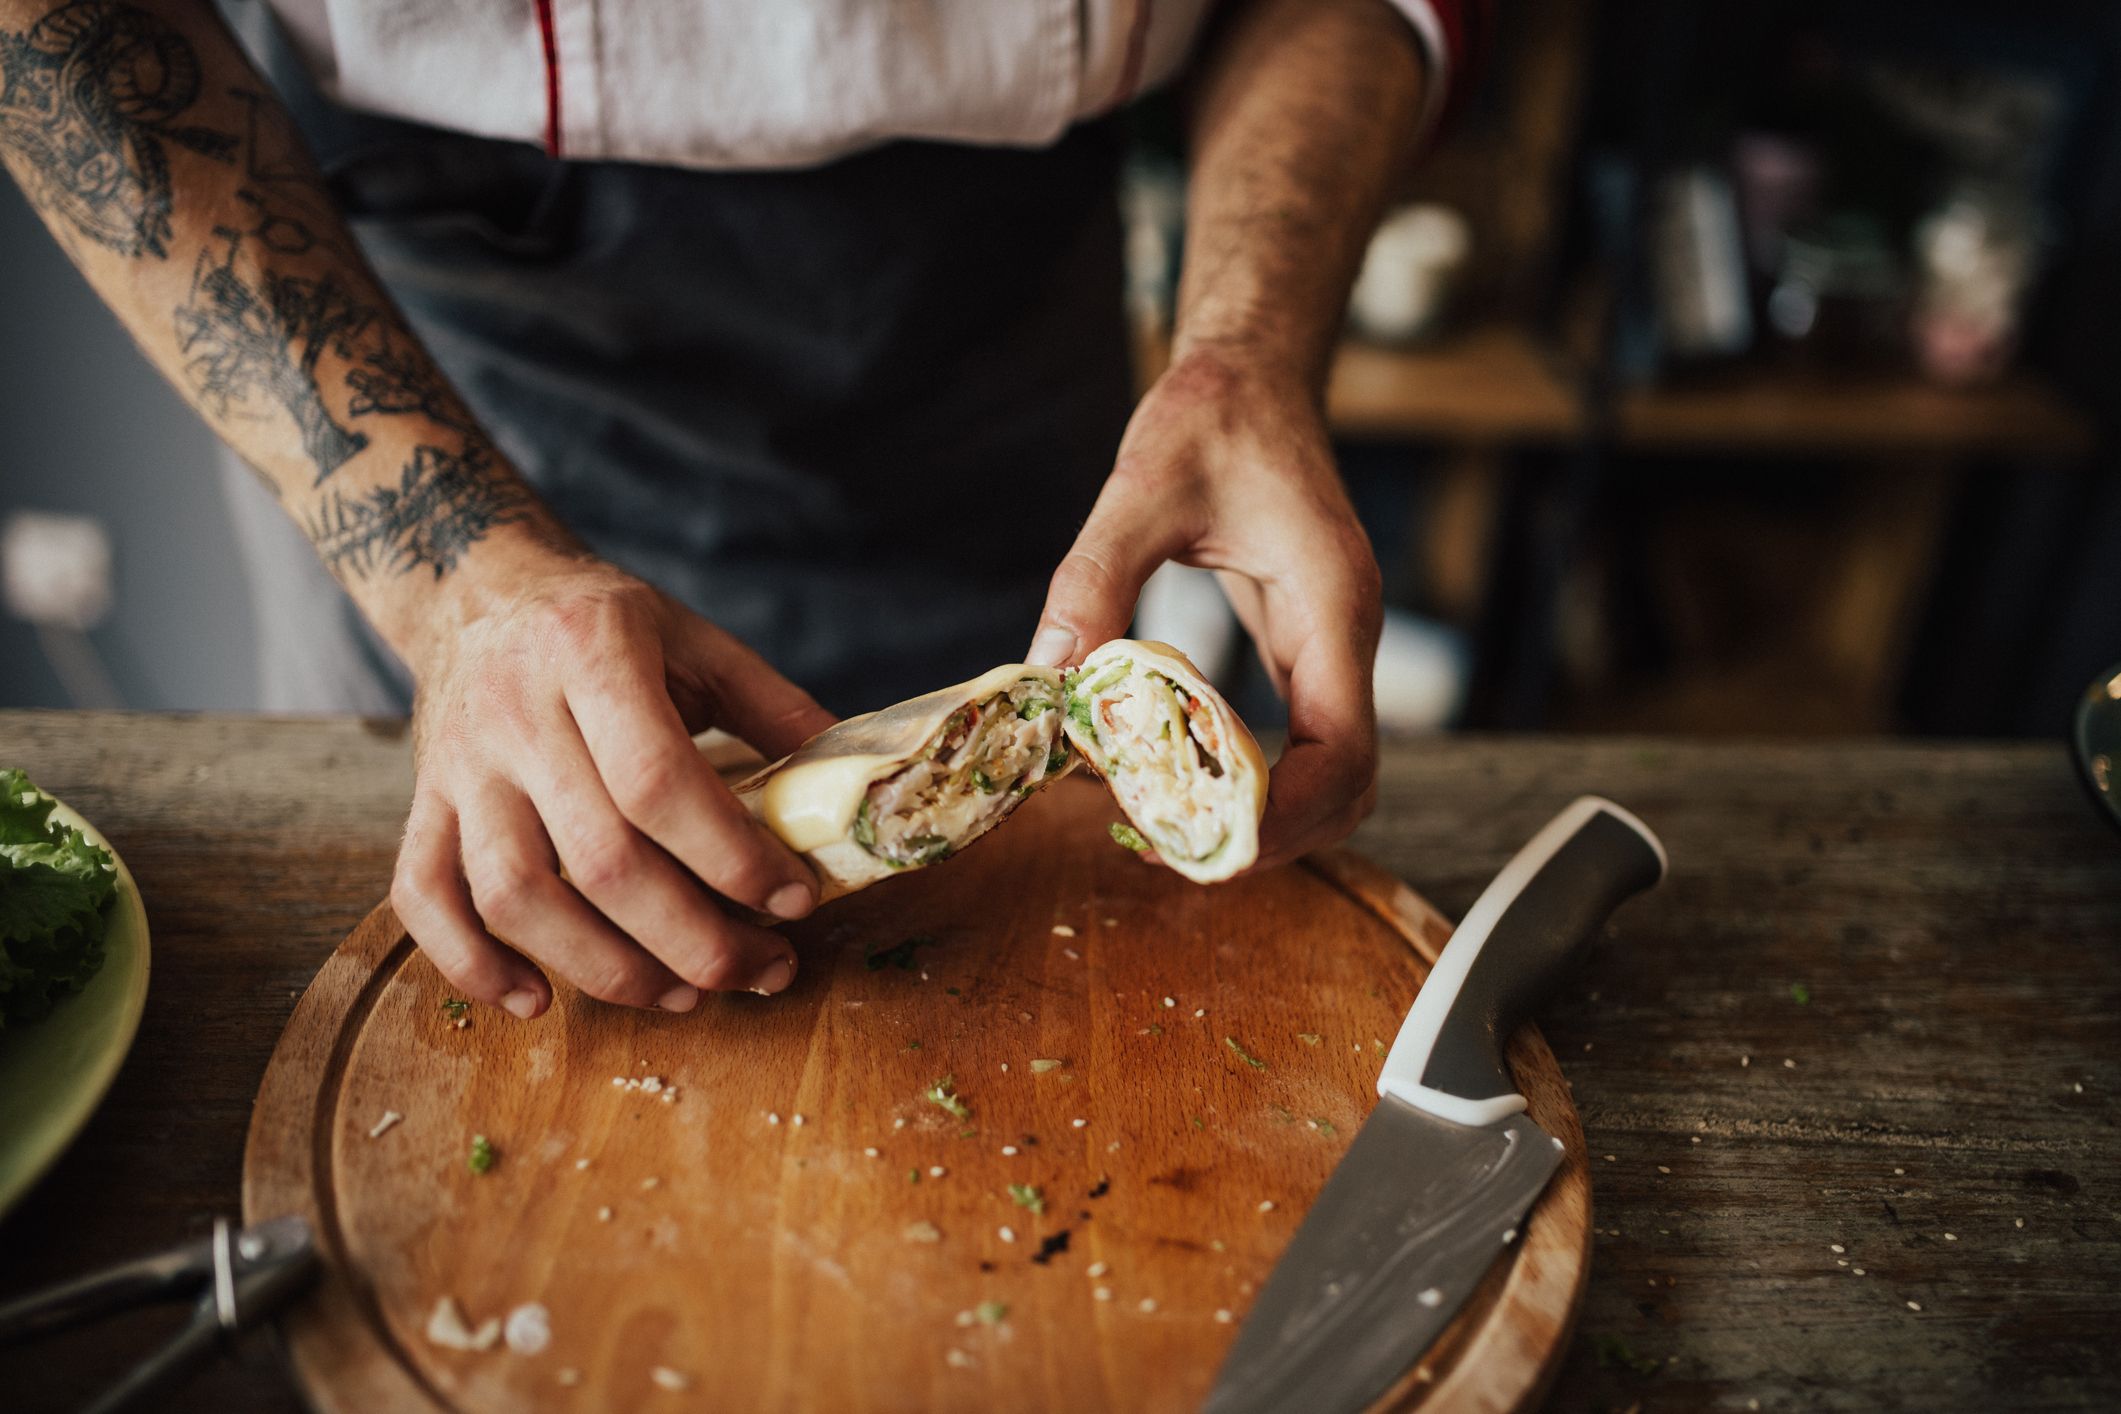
1774	410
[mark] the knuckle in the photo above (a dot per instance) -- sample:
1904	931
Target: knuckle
605	860
746	873
717	968
621	978
503	887
646	782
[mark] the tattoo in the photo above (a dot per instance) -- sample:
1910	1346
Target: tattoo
398	376
247	341
88	96
443	504
291	210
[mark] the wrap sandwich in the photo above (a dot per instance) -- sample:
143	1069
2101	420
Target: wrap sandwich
916	782
1180	763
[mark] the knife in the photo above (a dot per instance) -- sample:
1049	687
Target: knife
1444	1170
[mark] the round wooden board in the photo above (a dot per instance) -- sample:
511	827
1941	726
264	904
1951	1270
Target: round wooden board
768	1265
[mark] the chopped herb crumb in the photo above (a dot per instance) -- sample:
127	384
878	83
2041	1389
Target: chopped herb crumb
1800	994
1379	1045
482	1154
967	1133
943	1097
1284	1115
953	991
455	1007
1309	1038
983	781
900	956
1197	1124
1244	1055
1040	1067
1031	706
1028	1196
913	1175
1155	1030
1325	1127
1613	1353
1125	834
913	1045
991	1312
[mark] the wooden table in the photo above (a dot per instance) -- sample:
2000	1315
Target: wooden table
1941	1113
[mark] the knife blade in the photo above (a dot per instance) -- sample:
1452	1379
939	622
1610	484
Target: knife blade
1441	1175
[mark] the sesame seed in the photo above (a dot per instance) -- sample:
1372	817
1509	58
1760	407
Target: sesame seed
581	1163
1914	1305
1200	1011
1695	1138
1431	1298
1169	1002
1266	1205
870	1151
936	1171
1857	1272
1788	1064
603	1215
1071	954
670	1097
1111	922
1103	1293
1951	1237
898	1124
652	1085
2078	1087
618	1080
650	1182
1148	1304
667	1378
957	1359
1898	1172
1745	1060
569	1376
1841	1261
1078	1123
1835	1247
1511	1236
2018	1222
797	1121
1007	1234
1587	1045
1662	1169
1608	1158
1222	1318
1005	1067
1062	930
1008	1151
773	1118
1096	1269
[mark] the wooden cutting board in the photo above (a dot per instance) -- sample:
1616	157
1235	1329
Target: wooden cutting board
756	1243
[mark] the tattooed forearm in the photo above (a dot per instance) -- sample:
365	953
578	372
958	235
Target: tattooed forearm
245	342
442	505
88	96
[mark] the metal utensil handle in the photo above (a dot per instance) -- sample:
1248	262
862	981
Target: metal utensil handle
115	1288
1506	957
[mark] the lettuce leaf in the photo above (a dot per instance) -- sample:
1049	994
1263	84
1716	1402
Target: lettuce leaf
54	888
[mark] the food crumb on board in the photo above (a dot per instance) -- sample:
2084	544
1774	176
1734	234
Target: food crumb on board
569	1376
1788	1064
528	1329
2017	1222
1071	954
581	1164
1041	1067
1169	1001
922	1231
936	1171
447	1328
618	1080
870	1152
1510	1235
1607	1157
898	1124
1006	1234
382	1126
1111	922
1266	1205
1897	1173
1857	1272
1078	1123
1662	1169
1745	1061
1199	1012
650	1182
1432	1298
667	1378
773	1117
796	1120
1914	1305
1835	1247
1222	1317
1008	1151
1148	1305
1005	1067
603	1215
957	1359
1096	1269
1062	930
1951	1237
1103	1293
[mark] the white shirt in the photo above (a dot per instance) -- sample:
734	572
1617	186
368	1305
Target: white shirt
760	83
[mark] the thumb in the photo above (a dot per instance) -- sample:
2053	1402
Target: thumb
747	697
1091	598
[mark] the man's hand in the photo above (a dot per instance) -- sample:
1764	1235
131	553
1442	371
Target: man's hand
552	730
1226	469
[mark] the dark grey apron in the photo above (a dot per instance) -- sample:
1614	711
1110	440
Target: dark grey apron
853	414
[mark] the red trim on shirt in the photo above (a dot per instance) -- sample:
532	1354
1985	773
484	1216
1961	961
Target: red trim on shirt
552	78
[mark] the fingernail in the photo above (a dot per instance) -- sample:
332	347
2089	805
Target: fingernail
683	997
521	1003
1051	647
778	974
790	901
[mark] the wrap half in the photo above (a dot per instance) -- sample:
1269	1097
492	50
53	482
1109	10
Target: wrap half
1182	766
916	782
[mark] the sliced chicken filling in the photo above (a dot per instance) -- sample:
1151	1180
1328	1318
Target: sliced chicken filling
973	772
1159	750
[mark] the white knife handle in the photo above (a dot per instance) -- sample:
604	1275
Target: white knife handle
1515	944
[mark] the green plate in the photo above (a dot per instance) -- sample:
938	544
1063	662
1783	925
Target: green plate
54	1072
2097	742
